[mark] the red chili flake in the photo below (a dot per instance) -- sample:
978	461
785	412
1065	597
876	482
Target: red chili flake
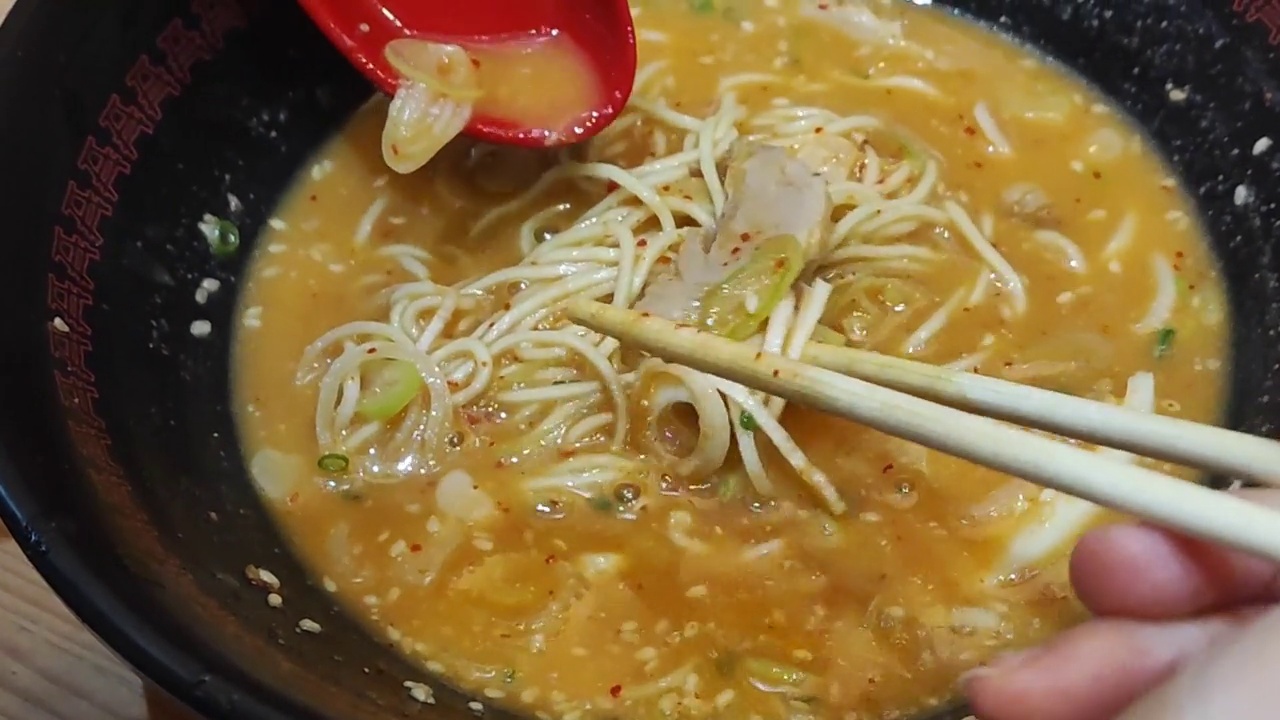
642	243
759	355
735	250
550	559
779	264
744	236
371	351
824	6
415	548
475	63
1178	254
666	188
970	130
1097	175
887	468
818	130
294	498
978	164
500	464
615	691
611	186
312	198
395	149
776	373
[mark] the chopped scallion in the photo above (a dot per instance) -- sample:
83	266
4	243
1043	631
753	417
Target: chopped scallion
602	504
1164	341
728	488
747	422
389	386
772	675
827	336
702	6
334	463
737	307
224	239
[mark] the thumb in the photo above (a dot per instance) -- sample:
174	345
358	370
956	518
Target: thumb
1235	678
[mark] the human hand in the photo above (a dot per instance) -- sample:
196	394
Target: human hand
1182	630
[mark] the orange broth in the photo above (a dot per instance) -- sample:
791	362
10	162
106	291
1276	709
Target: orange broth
743	606
544	83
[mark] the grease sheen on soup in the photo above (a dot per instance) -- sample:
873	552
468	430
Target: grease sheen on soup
648	594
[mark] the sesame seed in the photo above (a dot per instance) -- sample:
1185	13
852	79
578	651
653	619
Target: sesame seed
697	591
1179	94
1264	144
60	325
252	317
435	667
261	577
724	698
421	692
274	600
308	625
494	693
329	584
476	707
1243	194
201	328
645	654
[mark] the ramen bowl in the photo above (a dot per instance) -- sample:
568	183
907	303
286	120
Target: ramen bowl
121	471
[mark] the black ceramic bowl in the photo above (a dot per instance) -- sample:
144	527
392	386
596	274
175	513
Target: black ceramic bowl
122	123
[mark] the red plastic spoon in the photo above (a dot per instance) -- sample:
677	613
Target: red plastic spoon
601	30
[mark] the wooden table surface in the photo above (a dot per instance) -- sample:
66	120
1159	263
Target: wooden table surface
51	668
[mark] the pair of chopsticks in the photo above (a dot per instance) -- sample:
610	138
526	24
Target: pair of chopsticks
961	414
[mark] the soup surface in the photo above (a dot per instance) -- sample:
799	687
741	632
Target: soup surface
556	524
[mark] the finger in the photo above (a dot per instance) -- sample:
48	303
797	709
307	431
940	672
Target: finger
1091	672
1141	571
1234	680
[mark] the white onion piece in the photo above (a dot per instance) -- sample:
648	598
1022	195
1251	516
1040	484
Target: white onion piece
277	474
458	496
432	105
420	123
1166	296
595	566
445	69
1104	145
976	618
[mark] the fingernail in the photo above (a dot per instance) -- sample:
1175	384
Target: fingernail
998	664
1006	660
968	676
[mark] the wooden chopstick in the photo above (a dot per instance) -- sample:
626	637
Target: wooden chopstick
1219	450
1184	506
